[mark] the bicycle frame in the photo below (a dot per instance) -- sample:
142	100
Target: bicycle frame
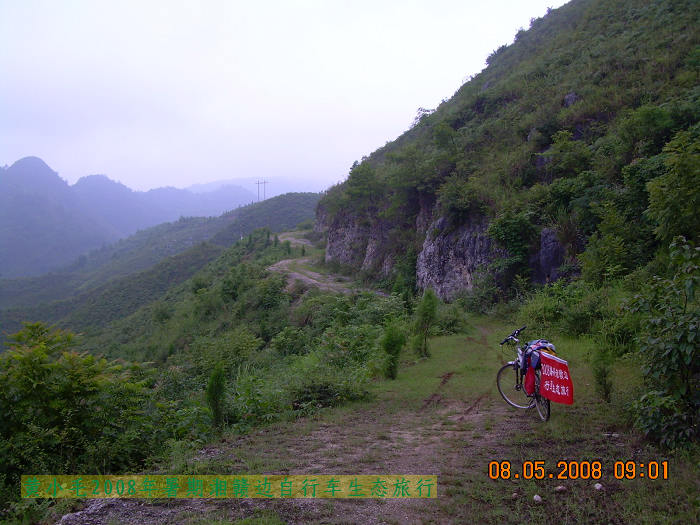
514	393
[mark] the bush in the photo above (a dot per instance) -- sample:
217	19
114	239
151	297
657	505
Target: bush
669	347
215	394
392	342
674	198
602	368
290	341
460	198
665	419
425	316
63	411
583	308
576	308
484	293
514	232
450	319
618	331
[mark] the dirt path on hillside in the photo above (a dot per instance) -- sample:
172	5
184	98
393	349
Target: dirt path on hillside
451	438
447	433
296	272
293	239
443	433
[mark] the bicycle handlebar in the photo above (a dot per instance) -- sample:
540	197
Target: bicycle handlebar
513	335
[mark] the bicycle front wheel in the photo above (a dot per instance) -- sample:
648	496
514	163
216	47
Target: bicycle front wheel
511	389
542	403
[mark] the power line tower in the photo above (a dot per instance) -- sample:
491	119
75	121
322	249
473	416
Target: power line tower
264	183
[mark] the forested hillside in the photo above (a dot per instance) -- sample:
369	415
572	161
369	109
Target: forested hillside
107	284
561	185
45	223
575	150
147	247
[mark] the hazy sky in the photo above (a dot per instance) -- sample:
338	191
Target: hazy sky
156	93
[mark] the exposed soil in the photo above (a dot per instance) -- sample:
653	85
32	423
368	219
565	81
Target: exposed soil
329	283
297	270
293	239
439	438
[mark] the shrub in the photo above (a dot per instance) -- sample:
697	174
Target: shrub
64	411
460	198
392	342
567	157
514	232
215	394
425	315
450	319
674	198
583	307
484	293
601	374
290	341
669	347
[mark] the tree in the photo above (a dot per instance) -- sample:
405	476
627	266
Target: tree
674	198
215	394
64	411
668	413
392	342
425	316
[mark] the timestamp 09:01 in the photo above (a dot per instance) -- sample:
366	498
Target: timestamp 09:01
578	470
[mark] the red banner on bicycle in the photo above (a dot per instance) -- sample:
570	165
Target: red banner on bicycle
556	384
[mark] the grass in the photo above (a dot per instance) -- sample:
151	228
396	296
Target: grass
498	433
465	426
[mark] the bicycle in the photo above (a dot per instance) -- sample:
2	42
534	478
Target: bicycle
512	389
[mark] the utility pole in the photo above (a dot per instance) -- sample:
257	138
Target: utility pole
264	183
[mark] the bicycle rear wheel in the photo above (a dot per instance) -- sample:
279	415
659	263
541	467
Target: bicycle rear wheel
512	390
542	403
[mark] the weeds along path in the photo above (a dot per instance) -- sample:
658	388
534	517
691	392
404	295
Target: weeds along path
441	416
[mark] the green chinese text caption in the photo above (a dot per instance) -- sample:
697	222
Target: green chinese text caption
237	486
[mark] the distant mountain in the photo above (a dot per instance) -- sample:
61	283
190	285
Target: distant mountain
275	185
46	224
87	277
43	224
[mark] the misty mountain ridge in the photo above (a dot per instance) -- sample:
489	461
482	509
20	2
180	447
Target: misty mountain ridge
46	223
275	185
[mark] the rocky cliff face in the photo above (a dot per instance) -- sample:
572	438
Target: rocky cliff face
353	241
549	257
450	256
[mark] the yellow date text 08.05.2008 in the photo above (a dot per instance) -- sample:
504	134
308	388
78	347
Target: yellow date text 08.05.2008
577	470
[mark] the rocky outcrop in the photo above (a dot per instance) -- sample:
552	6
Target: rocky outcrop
347	240
354	241
426	204
451	257
549	257
570	99
322	221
